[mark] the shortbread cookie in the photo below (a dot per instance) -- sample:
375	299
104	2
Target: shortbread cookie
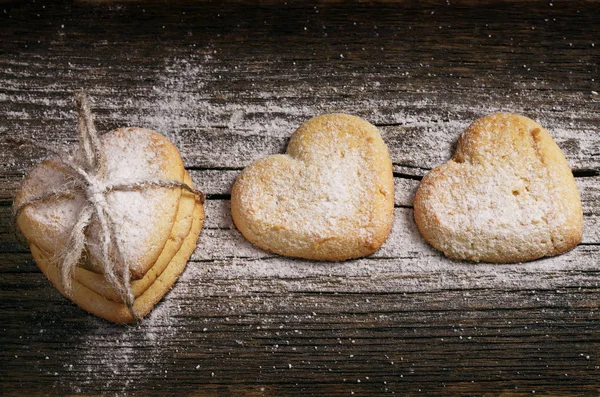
507	195
330	197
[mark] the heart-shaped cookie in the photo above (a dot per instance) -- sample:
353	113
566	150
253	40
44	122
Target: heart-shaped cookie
156	226
507	195
330	197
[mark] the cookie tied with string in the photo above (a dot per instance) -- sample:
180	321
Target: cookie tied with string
113	223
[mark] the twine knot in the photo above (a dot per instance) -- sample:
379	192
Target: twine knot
88	173
95	191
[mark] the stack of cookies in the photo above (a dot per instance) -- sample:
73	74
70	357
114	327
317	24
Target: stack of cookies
156	227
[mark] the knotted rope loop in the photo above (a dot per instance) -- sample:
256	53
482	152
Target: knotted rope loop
88	136
95	191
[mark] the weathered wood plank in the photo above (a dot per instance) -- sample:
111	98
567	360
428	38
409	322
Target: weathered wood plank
419	145
311	339
248	276
247	115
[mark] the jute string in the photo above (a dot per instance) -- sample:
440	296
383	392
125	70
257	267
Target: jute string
87	175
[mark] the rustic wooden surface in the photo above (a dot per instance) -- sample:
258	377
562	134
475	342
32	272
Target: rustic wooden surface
228	83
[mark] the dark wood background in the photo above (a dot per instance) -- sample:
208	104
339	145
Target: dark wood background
229	83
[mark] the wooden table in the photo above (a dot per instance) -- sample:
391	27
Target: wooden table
229	83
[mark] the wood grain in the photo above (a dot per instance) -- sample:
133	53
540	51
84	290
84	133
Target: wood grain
228	83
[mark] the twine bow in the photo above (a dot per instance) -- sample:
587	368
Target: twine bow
88	176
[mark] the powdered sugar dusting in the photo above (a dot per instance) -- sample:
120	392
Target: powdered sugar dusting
125	358
190	98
